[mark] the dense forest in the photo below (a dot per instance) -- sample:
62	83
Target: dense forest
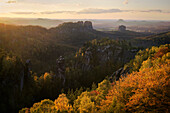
145	89
43	46
74	68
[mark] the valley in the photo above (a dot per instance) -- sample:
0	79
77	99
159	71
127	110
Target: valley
73	61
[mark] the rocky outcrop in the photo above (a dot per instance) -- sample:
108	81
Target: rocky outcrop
22	80
122	28
88	25
60	64
119	73
99	55
25	73
79	26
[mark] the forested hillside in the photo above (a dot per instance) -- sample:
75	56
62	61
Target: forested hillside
43	46
90	65
38	63
16	83
153	40
145	89
34	43
97	59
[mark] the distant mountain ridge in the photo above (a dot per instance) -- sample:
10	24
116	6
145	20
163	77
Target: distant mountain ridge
153	40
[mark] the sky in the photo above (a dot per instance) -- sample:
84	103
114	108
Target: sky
87	9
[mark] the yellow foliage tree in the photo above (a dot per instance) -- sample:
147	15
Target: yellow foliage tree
143	91
45	106
84	104
62	104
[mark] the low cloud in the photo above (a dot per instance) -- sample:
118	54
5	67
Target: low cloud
45	12
11	2
57	12
93	11
99	11
22	13
85	11
157	10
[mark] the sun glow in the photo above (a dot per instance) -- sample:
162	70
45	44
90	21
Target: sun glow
82	10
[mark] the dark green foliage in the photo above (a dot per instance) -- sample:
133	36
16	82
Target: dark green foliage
94	86
72	95
34	43
95	60
12	95
20	88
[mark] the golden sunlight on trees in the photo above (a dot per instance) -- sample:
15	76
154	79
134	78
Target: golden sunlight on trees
84	103
45	106
143	91
62	104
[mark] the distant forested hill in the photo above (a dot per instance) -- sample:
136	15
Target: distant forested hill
43	46
153	40
28	21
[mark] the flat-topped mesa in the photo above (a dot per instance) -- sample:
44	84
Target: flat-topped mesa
75	26
88	24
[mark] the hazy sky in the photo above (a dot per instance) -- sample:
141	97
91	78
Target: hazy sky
87	9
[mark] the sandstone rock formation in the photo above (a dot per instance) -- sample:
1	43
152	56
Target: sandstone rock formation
88	25
79	26
122	28
60	63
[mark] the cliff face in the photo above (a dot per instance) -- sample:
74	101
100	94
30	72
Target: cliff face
88	25
99	54
60	68
95	60
103	54
79	26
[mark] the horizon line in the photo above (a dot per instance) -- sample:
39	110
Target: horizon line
86	19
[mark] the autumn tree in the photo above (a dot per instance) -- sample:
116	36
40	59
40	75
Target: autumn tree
62	104
45	106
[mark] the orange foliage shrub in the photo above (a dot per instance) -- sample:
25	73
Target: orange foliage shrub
144	91
161	52
94	92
